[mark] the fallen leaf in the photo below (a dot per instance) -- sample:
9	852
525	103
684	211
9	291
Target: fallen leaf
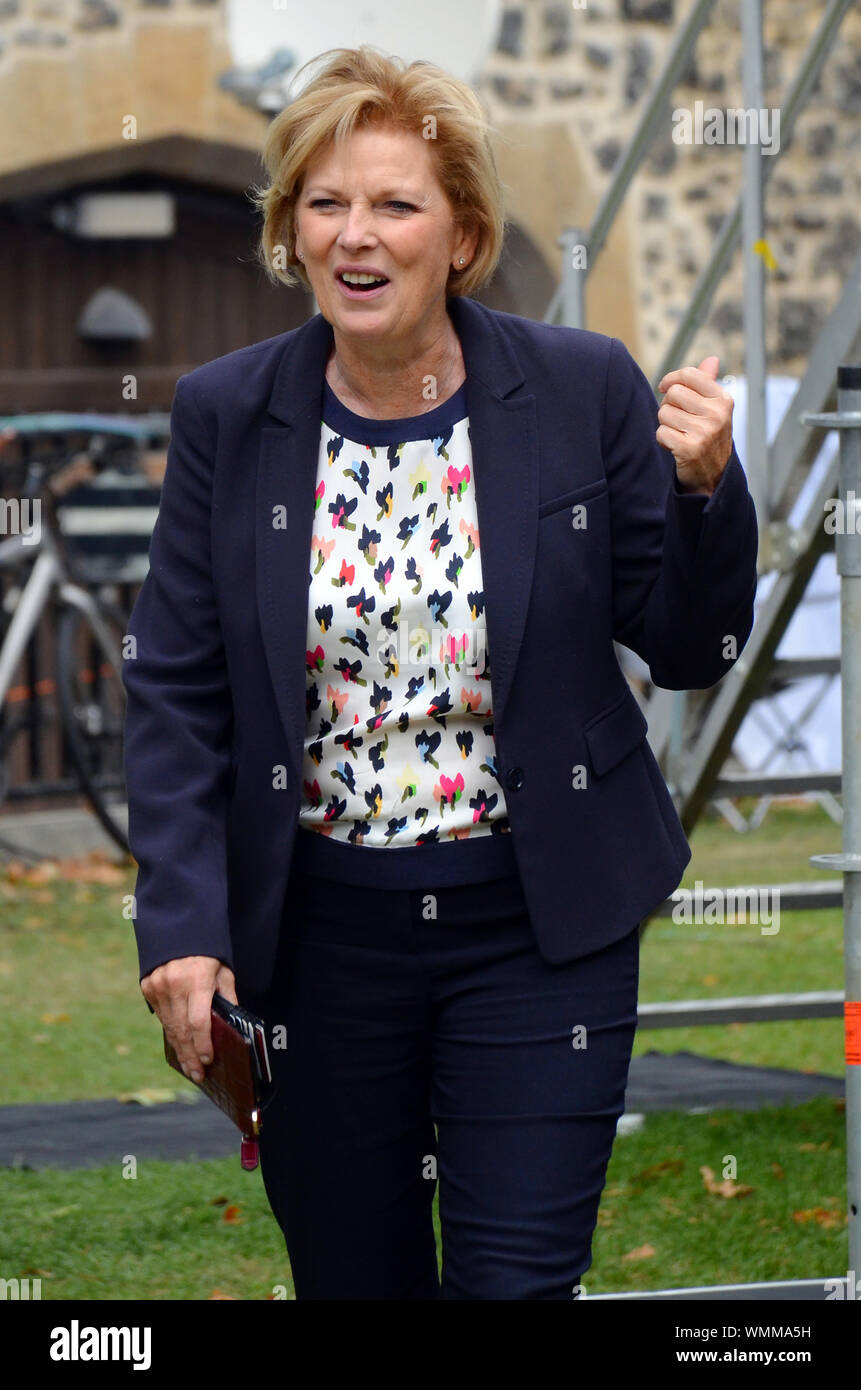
727	1188
224	1297
710	979
821	1215
55	1018
778	1172
18	872
123	1049
94	867
642	1252
148	1095
231	1215
219	1201
669	1165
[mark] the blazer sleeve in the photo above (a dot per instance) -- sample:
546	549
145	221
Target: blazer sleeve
684	564
179	714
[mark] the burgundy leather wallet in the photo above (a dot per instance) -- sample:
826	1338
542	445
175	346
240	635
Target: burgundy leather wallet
239	1078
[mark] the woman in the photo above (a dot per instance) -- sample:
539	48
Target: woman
387	783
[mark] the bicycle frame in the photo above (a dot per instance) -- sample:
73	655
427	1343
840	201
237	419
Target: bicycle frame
48	574
51	575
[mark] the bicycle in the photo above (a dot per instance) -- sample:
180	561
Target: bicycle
91	628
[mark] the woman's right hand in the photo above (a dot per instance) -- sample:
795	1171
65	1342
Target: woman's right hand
181	993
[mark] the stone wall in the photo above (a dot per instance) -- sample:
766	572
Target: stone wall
591	67
72	71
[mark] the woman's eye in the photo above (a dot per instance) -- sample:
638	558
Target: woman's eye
392	203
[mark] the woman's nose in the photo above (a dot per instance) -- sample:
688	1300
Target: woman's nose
358	227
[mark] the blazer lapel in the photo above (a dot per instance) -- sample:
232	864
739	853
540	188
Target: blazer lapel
503	435
504	442
286	480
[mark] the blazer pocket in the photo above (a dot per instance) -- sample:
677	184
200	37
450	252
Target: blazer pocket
570	499
614	733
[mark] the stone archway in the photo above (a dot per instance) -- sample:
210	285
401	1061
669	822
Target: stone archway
523	283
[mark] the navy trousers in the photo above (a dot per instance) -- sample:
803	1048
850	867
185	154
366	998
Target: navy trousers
427	1042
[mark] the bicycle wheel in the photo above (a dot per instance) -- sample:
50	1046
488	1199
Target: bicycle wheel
92	705
17	726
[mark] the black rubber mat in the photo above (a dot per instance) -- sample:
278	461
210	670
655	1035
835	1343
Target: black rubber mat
84	1134
88	1133
685	1081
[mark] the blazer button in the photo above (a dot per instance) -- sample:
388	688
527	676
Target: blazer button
514	780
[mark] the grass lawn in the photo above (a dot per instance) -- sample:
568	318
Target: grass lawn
678	961
73	1020
204	1230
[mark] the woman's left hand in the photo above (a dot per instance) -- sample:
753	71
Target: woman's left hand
696	424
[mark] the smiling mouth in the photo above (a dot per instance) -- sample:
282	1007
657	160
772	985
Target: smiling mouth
361	284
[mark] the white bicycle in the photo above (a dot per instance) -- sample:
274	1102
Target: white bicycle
58	452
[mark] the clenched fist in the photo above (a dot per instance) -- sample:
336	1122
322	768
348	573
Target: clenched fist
696	424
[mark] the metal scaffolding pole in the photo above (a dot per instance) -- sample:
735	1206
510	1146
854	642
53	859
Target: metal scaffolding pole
847	517
563	308
795	100
753	237
573	284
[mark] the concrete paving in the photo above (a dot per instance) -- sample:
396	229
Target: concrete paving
53	833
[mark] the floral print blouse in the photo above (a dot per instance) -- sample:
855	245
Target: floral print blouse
399	746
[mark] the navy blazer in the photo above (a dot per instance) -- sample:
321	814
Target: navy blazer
558	417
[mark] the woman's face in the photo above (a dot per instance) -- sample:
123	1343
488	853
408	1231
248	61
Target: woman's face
376	206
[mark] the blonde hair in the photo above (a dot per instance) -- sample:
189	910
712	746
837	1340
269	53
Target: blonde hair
360	87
